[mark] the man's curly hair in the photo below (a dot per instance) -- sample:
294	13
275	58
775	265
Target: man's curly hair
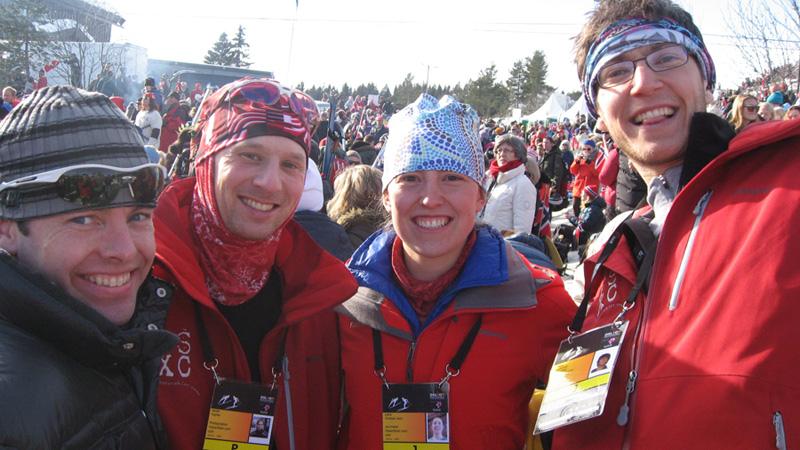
610	11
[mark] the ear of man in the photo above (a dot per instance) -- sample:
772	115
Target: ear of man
600	125
9	236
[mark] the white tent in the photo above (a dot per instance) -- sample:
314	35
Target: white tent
552	108
578	108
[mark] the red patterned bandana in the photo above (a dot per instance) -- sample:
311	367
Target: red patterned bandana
236	268
250	108
423	295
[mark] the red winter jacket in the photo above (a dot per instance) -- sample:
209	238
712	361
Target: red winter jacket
608	177
312	283
714	343
172	121
585	175
524	319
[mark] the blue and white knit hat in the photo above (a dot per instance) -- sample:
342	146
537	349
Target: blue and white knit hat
432	134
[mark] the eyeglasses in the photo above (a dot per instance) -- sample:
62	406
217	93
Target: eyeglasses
751	108
267	93
96	184
663	59
353	162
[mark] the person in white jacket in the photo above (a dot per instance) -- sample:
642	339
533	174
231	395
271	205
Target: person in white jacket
511	202
149	121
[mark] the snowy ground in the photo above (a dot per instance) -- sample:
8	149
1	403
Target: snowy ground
574	287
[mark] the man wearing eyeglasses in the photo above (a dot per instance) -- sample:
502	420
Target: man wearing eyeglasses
81	321
708	360
254	291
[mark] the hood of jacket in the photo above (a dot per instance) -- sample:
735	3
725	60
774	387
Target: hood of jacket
597	201
374	217
35	304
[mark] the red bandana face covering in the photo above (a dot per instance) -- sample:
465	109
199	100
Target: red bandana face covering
237	268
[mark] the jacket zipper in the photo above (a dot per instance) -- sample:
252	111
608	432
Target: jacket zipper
636	350
626	413
780	435
290	418
622	418
698	212
409	369
448	316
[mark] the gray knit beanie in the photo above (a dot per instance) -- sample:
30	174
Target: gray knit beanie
56	127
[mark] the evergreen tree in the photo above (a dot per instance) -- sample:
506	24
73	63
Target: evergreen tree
406	92
385	92
21	41
220	53
488	96
457	91
517	85
537	73
239	52
362	90
526	83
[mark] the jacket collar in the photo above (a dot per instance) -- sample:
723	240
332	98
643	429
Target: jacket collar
38	306
494	277
709	136
503	177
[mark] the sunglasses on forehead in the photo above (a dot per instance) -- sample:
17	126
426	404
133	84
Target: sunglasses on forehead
263	93
96	185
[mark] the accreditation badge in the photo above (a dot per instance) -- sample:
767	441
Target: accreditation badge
579	380
416	416
242	415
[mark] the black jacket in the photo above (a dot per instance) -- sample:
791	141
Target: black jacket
325	232
367	152
552	165
71	379
361	223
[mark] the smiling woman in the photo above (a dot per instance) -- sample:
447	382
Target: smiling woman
744	111
511	203
432	280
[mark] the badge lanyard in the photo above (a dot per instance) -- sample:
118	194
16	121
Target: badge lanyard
643	248
581	374
416	416
242	414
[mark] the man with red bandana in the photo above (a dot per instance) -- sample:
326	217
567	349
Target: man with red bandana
708	360
254	292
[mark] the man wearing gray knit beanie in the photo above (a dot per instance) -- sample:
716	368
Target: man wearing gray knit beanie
81	319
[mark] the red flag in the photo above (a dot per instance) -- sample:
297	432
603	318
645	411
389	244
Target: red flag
543	212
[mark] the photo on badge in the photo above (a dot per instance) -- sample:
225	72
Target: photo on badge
603	362
438	427
260	429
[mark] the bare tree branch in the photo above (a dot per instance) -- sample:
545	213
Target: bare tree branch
767	35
